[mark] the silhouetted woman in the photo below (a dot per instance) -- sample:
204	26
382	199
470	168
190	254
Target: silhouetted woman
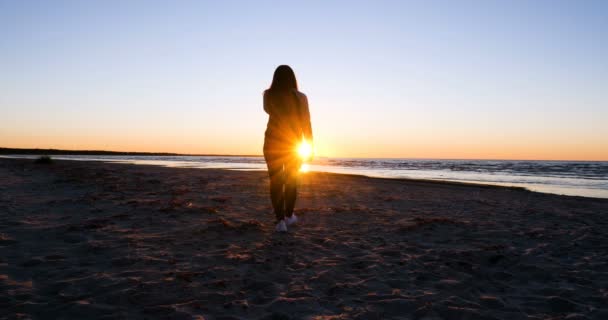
288	124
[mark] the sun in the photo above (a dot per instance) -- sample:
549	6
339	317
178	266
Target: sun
305	150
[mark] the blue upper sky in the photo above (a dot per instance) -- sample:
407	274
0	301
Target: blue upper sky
464	79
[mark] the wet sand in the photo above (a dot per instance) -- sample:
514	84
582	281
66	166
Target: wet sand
88	240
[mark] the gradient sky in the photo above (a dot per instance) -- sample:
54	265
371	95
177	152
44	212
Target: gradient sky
428	79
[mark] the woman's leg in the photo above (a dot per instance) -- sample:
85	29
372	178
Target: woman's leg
277	182
291	185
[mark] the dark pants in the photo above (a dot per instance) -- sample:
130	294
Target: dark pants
283	171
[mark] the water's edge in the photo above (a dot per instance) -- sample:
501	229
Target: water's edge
584	179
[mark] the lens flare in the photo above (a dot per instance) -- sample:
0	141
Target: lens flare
305	150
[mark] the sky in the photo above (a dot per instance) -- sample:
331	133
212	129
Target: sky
397	79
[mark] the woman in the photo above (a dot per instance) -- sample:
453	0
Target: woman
288	124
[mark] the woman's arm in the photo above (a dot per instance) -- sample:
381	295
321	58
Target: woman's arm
306	125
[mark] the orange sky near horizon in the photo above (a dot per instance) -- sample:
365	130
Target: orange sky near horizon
459	148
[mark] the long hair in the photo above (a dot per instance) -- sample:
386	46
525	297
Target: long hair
284	80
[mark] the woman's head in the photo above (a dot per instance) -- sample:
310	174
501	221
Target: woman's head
284	79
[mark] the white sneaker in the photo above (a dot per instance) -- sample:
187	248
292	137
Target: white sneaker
281	226
291	220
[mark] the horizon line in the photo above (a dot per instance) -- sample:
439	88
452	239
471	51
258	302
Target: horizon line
52	151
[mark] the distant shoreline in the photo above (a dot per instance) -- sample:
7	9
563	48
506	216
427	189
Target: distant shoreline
37	151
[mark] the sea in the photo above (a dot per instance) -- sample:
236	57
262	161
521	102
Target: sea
573	178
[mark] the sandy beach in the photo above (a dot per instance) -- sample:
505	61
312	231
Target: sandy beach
88	240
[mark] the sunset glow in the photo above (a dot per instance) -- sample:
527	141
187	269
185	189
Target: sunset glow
305	167
305	150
